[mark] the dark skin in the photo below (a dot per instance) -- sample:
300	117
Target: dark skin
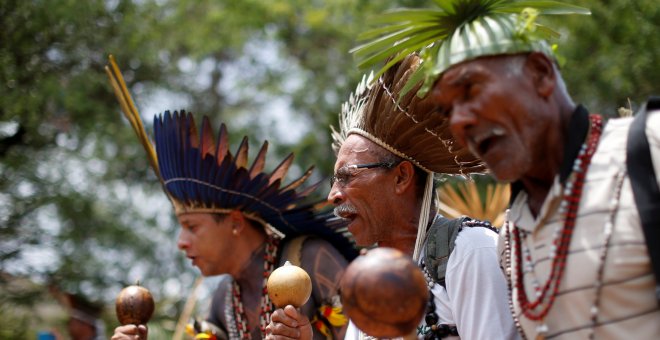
323	264
236	246
373	193
512	111
80	330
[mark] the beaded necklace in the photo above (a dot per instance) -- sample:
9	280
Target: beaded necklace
545	294
607	232
242	329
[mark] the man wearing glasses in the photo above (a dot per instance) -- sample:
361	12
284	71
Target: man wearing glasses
383	187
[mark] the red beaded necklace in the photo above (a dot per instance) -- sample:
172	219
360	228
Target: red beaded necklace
538	308
266	305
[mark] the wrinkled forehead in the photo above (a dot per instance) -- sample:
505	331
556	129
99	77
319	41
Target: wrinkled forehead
504	64
357	149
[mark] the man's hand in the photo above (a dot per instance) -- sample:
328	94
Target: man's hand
130	332
288	323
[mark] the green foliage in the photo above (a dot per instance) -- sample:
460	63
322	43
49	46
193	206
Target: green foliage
432	31
612	56
79	206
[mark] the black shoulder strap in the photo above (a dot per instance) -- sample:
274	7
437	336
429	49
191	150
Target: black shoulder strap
439	245
645	185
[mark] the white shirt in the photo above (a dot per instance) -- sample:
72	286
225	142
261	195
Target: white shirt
476	298
627	307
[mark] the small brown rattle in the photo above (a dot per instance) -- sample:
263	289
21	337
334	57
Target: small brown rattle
134	305
289	285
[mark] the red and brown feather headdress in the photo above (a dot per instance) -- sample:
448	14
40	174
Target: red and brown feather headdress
407	126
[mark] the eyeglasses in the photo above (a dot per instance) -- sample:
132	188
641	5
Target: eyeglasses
345	173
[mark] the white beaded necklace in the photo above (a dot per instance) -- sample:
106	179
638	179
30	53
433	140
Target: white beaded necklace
235	312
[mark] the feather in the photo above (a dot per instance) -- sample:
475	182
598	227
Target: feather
242	154
399	123
207	140
259	161
202	175
199	174
222	147
282	169
296	183
130	111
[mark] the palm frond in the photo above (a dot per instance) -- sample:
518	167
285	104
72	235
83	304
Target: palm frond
465	199
397	33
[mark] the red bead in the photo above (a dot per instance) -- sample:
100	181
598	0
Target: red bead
559	262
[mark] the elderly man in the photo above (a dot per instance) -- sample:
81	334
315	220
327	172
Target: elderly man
573	246
383	187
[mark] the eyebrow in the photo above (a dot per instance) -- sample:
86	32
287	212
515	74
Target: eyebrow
185	220
461	78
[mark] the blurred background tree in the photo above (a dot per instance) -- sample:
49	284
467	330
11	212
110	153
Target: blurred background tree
79	207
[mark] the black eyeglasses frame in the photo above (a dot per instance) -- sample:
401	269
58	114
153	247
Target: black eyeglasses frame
384	165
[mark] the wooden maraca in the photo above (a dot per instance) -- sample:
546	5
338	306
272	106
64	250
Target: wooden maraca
134	305
384	293
289	285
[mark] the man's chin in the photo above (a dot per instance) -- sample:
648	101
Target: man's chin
363	240
356	231
506	172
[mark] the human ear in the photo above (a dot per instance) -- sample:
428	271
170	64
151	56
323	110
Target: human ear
405	177
237	221
543	73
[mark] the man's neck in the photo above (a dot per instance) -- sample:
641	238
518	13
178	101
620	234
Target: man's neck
561	153
405	238
537	191
250	275
404	243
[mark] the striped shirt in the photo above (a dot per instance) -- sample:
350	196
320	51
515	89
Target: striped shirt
628	307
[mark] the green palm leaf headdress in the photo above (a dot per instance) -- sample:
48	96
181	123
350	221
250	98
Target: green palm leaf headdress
457	31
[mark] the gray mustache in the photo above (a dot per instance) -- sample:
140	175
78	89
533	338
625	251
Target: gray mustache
344	209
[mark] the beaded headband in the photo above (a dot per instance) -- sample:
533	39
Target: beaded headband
406	127
458	31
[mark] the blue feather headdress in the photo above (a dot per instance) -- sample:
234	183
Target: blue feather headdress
200	175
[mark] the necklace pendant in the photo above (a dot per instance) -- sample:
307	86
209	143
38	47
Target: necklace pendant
541	331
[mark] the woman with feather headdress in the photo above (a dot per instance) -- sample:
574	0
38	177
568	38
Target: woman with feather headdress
237	219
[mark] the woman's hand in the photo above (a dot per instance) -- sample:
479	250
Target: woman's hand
288	323
130	332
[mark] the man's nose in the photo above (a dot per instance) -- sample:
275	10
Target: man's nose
460	120
335	196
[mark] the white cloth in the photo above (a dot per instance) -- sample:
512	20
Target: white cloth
476	299
627	305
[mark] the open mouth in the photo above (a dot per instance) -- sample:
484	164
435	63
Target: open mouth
486	145
348	216
346	212
481	144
